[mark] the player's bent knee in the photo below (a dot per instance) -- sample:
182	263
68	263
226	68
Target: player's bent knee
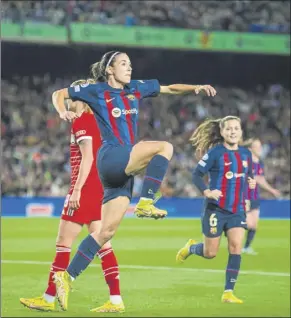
167	150
209	254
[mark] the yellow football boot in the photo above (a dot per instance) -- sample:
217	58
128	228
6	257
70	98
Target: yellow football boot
146	209
38	303
63	283
184	252
228	297
109	307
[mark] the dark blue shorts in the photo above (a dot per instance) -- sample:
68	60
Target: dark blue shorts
216	220
111	164
255	204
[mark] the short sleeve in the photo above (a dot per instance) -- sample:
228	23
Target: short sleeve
206	162
148	88
261	170
85	92
82	129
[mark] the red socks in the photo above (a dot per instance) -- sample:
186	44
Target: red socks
60	263
110	270
109	267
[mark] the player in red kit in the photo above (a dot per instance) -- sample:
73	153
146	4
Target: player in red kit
82	206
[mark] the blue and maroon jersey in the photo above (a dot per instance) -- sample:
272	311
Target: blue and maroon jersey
116	110
258	170
228	172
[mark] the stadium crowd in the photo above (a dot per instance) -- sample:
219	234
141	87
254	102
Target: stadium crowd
240	15
35	153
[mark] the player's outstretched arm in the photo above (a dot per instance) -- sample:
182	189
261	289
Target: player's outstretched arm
58	99
263	183
178	89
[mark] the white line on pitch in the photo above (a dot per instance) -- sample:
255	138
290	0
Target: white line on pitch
162	268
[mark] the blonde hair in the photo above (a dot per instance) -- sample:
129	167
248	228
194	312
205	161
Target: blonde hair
207	135
87	109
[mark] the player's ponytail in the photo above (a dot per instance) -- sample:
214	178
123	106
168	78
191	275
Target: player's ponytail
97	72
205	136
98	69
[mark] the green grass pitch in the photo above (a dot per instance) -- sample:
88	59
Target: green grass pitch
152	284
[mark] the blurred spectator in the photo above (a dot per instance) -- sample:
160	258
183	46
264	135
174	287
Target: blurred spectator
35	153
239	15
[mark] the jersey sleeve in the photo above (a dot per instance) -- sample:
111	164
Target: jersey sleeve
82	129
261	171
148	88
206	162
85	92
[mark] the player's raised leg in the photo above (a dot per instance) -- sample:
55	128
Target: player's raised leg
235	240
111	274
208	249
90	246
155	156
212	228
68	231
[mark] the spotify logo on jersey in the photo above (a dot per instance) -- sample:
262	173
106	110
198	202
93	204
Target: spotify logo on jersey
116	112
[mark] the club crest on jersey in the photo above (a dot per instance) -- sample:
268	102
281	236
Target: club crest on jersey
131	97
229	175
245	163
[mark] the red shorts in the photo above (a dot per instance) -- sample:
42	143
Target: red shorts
90	208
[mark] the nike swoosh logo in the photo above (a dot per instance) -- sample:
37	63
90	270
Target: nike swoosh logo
146	212
243	222
227	163
109	100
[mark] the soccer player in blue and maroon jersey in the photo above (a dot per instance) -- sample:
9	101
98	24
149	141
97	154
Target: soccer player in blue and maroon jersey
229	167
255	146
115	100
82	206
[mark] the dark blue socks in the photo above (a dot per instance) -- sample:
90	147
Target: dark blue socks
197	249
250	236
155	173
84	256
232	271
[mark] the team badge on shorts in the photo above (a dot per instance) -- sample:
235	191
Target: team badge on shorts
213	230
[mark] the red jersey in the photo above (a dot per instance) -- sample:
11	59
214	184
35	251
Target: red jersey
84	127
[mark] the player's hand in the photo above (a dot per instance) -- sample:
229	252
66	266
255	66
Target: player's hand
213	194
74	202
252	183
209	90
276	193
68	115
